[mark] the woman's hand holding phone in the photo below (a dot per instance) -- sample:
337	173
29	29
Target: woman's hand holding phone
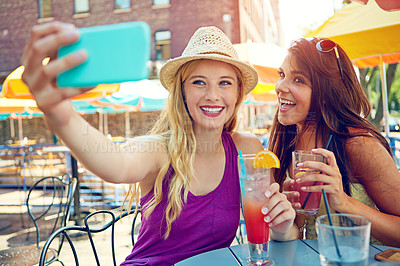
45	40
80	59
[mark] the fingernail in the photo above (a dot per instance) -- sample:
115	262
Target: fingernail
313	149
264	210
303	188
81	55
291	181
268	193
300	164
298	179
71	35
267	219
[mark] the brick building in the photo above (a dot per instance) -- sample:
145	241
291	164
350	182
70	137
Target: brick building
172	22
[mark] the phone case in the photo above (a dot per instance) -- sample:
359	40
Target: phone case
389	255
116	53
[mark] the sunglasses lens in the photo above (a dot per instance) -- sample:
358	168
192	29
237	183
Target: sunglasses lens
325	45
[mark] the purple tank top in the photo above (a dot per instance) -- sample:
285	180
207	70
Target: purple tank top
206	222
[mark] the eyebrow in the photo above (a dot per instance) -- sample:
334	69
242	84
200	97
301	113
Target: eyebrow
295	72
204	77
298	73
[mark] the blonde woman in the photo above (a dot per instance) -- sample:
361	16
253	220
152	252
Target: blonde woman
187	167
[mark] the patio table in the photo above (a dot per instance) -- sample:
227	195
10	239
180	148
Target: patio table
295	252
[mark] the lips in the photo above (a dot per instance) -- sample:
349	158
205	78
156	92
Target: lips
286	105
212	110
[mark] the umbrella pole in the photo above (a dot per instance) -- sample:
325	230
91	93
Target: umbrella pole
105	124
20	135
127	125
101	122
384	97
12	129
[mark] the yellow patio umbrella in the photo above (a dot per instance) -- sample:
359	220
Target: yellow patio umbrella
16	108
15	88
265	89
365	32
266	59
9	106
369	35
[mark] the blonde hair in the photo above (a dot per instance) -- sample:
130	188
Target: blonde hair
174	132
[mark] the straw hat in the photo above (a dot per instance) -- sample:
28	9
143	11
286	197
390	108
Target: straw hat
209	43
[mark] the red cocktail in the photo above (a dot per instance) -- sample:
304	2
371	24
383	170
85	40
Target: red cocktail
309	201
254	182
257	229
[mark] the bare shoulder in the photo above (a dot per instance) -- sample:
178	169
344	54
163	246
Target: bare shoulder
367	156
247	143
362	145
375	169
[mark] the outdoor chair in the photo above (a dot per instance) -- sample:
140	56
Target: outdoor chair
395	149
69	234
48	204
241	232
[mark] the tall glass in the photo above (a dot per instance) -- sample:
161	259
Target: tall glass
309	201
253	183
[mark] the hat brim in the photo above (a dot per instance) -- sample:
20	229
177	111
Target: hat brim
171	67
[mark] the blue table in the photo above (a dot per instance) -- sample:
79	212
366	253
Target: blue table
295	252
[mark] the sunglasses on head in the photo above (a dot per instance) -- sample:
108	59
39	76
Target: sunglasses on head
326	46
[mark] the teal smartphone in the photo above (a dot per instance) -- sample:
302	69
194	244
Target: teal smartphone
116	53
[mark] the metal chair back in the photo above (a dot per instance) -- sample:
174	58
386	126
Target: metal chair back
49	203
67	233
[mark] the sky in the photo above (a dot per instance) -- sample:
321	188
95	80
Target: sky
297	15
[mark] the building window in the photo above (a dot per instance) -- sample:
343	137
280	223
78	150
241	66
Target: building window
122	4
81	6
45	10
163	44
160	2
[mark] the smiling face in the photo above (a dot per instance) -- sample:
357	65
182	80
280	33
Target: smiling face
294	93
211	92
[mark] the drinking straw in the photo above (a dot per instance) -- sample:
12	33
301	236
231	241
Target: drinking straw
243	170
315	182
241	181
242	163
330	222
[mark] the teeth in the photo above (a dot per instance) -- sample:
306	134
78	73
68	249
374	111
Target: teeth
211	110
286	101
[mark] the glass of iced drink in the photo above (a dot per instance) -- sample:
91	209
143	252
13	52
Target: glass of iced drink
345	242
309	201
253	183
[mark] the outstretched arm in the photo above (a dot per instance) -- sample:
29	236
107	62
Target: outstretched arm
111	164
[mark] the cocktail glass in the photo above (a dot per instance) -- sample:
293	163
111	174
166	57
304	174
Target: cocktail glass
345	242
253	183
309	201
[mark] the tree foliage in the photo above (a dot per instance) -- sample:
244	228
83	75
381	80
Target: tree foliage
370	79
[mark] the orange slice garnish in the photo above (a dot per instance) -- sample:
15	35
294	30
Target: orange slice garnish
266	159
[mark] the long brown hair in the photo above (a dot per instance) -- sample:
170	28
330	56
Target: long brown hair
337	105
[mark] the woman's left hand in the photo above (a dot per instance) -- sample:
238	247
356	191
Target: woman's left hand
278	210
330	176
